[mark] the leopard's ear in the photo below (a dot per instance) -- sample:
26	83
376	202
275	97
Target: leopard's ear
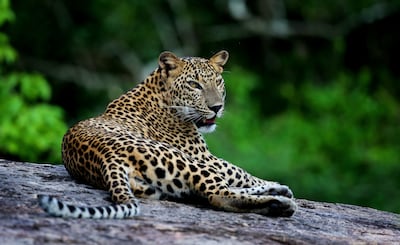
219	59
168	61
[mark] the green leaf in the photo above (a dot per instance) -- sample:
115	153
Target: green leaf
35	87
6	14
7	53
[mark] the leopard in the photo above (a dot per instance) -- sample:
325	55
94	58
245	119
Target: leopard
149	143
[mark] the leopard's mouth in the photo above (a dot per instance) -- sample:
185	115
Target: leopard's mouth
206	122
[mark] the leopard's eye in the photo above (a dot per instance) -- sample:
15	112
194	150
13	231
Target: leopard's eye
195	84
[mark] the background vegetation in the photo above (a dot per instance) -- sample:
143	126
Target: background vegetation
313	86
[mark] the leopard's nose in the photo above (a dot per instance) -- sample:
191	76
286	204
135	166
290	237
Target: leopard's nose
215	108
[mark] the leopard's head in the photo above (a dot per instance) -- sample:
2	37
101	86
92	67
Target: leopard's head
195	87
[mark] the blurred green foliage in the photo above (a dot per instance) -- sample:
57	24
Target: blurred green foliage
30	128
312	86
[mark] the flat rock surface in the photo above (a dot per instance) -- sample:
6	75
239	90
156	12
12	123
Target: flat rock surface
163	222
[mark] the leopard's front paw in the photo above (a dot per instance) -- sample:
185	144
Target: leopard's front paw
268	189
281	206
279	190
272	189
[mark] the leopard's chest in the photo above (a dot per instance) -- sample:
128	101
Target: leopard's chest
163	127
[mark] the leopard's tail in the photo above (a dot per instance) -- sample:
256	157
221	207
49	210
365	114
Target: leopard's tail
57	208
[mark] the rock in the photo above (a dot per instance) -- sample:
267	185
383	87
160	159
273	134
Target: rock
163	222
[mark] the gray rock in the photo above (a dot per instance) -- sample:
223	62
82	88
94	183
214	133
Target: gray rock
163	222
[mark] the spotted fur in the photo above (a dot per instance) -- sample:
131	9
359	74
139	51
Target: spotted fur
148	144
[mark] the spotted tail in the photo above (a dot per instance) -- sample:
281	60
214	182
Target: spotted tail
57	208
